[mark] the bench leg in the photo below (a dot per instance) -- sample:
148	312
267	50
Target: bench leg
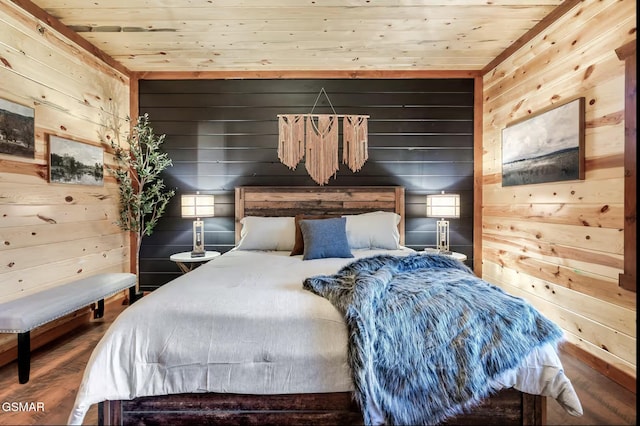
99	311
24	356
132	295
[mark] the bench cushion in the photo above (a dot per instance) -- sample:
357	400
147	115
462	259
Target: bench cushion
28	312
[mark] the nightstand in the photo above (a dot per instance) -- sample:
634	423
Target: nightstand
460	256
187	263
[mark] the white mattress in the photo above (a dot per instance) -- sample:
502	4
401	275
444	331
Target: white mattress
242	323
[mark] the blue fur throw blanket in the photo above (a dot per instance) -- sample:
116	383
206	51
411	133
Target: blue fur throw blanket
427	336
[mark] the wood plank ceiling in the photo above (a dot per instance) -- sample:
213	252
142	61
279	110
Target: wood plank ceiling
255	35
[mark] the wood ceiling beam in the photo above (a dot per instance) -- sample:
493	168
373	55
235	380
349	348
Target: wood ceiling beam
533	32
55	23
311	74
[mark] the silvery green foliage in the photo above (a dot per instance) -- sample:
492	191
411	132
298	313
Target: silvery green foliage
143	194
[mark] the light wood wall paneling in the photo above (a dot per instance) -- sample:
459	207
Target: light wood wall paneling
52	121
53	233
17	215
604	240
22	258
570	191
606	338
56	273
607	313
596	285
49	233
561	244
605	216
583	260
22	171
61	194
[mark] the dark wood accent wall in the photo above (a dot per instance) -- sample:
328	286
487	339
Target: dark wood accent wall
222	134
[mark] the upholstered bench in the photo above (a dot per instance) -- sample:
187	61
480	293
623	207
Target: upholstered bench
23	314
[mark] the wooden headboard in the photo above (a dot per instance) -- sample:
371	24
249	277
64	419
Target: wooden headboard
292	200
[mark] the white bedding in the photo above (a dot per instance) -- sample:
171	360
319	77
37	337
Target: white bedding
242	323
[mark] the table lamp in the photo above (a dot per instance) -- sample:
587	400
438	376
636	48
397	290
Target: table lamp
197	206
443	206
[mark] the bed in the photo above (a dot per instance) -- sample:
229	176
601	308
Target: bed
240	341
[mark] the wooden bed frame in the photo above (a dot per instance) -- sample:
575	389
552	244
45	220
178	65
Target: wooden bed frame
507	407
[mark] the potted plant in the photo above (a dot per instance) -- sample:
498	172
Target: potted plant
143	194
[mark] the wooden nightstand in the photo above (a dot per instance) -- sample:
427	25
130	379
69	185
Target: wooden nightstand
186	263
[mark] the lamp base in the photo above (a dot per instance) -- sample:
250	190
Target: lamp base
442	232
198	239
197	254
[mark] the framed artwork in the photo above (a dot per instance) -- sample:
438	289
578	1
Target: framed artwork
75	162
546	147
17	129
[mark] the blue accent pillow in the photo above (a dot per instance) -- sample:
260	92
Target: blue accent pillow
325	238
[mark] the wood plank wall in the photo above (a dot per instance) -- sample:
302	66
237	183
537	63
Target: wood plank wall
560	245
223	133
53	233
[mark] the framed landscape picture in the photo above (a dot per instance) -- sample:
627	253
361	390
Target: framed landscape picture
546	147
75	162
17	130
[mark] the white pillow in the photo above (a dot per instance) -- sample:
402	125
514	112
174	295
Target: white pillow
267	233
373	230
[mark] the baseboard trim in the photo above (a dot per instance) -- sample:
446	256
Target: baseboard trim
622	378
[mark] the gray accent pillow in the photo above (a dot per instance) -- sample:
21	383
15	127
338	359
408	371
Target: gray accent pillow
325	238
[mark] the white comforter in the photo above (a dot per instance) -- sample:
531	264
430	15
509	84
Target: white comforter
242	323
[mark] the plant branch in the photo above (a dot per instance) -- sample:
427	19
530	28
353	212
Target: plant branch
143	194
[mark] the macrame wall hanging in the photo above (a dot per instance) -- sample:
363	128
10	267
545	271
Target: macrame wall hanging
316	137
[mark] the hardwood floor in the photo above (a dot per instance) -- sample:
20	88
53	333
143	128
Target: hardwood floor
56	371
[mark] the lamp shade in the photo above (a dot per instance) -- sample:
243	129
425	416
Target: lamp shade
197	205
443	205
